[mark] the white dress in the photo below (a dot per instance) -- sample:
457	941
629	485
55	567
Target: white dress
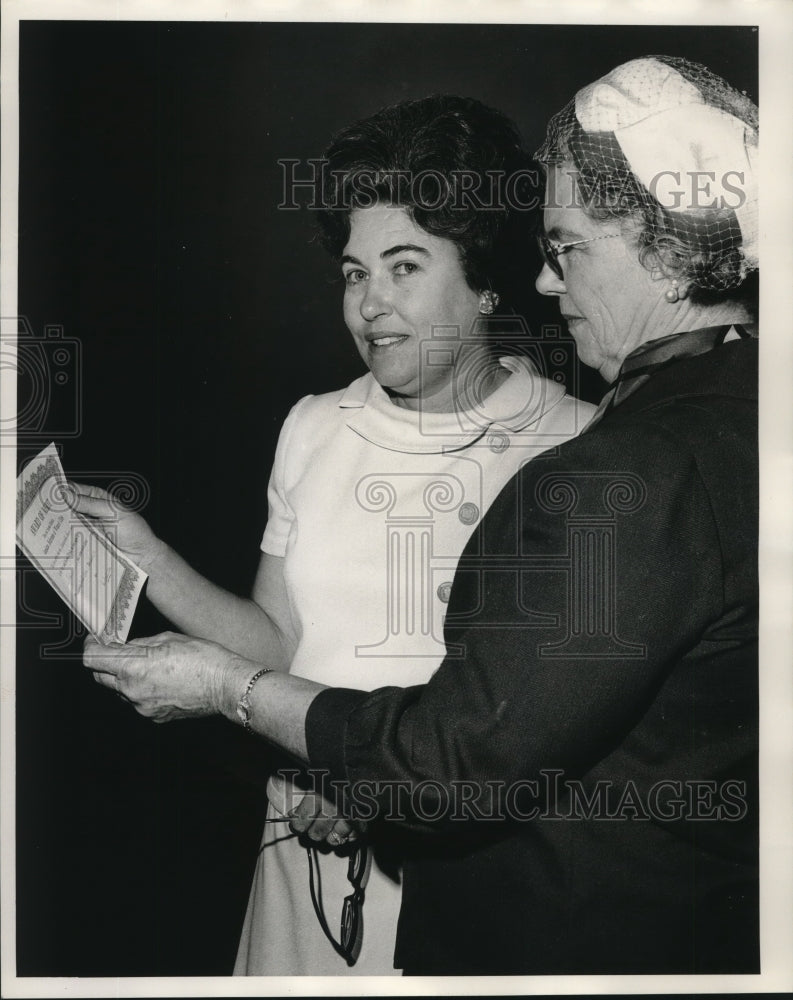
371	506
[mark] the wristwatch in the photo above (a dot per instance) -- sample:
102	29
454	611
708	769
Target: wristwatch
244	704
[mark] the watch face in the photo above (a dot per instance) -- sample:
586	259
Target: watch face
244	704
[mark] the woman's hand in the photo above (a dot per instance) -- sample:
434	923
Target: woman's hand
168	676
319	820
173	676
311	813
128	530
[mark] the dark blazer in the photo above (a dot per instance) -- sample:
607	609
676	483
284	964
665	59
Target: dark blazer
588	748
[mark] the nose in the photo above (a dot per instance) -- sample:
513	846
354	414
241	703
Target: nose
374	302
549	283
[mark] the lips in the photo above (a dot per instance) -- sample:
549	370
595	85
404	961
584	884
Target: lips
381	340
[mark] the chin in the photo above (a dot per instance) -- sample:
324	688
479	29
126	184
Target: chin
394	381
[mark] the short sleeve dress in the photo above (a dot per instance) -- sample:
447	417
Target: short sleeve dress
370	505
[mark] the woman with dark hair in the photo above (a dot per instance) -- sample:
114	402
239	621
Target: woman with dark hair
375	490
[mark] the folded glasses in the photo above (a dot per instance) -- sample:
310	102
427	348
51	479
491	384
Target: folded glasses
351	936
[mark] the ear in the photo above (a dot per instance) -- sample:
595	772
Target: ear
662	272
659	271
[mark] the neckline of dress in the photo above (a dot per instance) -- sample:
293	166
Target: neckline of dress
520	400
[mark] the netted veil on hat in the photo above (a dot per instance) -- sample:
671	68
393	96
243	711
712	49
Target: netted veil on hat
668	138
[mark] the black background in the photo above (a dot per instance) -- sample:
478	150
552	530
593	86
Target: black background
194	313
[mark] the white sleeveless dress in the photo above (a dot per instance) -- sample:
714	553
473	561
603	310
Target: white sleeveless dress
371	506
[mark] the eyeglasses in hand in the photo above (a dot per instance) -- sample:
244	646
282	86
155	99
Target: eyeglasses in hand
351	937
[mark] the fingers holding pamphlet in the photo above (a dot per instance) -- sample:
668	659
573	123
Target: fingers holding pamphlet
98	583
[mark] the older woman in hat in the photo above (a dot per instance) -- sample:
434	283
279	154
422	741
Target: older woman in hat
579	776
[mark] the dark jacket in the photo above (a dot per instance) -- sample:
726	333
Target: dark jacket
588	748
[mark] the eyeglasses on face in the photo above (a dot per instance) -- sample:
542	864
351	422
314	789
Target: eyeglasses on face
551	250
351	937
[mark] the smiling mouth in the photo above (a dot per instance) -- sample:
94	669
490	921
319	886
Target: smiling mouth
387	340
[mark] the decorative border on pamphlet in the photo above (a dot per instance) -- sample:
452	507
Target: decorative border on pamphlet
124	597
49	470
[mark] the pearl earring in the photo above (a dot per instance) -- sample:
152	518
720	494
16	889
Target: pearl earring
487	302
672	295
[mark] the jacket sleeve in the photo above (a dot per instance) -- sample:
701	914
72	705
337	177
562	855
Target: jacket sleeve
592	575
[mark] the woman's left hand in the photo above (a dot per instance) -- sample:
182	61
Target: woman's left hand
318	818
165	677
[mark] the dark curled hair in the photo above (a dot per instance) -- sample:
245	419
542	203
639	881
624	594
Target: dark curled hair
454	165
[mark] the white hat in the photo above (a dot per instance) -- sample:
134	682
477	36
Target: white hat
687	136
690	155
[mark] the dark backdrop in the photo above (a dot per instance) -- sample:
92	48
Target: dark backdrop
190	313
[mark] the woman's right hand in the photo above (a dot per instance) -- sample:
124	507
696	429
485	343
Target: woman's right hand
311	814
319	820
127	529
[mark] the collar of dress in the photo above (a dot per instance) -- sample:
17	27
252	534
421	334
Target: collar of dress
521	400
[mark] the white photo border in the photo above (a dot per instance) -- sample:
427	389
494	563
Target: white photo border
775	21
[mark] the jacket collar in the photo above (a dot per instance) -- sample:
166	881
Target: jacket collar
729	369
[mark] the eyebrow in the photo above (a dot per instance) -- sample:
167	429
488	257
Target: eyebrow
560	234
402	248
390	252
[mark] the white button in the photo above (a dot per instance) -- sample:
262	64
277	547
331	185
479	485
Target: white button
468	513
498	442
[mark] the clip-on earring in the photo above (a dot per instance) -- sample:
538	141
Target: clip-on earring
487	302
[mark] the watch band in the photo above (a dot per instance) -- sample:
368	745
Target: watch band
244	704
